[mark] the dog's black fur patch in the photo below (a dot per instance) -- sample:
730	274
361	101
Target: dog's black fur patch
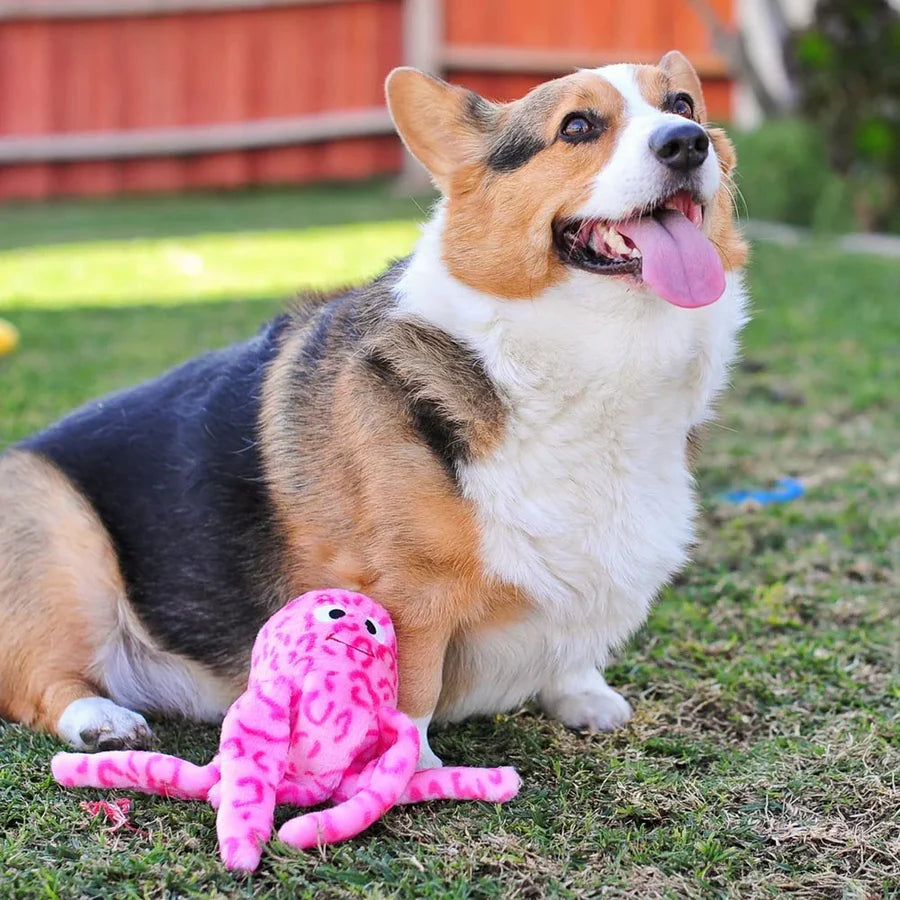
444	437
173	469
513	150
480	112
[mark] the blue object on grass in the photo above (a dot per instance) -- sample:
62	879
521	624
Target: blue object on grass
785	490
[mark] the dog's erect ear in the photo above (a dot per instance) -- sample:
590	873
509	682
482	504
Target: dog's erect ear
683	77
444	126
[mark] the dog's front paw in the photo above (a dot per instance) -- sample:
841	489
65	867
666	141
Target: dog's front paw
427	759
427	756
591	710
96	723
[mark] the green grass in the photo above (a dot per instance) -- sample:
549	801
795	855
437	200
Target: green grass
763	756
202	247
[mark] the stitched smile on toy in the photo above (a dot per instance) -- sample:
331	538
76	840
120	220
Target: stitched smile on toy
331	637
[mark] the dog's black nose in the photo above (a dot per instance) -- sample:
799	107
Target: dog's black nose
682	145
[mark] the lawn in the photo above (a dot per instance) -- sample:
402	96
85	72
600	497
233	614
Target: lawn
763	756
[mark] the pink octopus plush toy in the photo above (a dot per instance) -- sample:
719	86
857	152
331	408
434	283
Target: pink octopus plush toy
318	721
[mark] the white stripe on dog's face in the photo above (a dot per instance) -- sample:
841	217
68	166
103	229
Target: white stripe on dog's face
634	178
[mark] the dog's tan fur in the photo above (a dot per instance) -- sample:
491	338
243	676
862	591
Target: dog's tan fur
59	589
498	236
411	540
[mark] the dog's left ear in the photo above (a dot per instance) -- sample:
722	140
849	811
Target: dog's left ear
683	77
444	126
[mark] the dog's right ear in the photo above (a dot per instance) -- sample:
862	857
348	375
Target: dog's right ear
444	126
683	75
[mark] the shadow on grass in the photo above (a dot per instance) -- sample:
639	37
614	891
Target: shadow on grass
67	221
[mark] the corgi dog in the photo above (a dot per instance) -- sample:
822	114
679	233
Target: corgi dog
492	439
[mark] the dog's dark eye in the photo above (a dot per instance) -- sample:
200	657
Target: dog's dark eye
682	105
576	127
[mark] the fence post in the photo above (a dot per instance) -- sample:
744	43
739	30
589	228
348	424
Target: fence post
422	36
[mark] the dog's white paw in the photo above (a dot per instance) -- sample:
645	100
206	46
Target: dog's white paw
591	710
96	723
427	757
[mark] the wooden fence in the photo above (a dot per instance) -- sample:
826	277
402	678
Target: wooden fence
109	96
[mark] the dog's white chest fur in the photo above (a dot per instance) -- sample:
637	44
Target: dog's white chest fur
586	506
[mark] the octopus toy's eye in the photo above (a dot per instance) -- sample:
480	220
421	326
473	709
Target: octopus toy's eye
376	631
329	613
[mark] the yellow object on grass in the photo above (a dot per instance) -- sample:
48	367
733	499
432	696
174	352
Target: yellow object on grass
9	337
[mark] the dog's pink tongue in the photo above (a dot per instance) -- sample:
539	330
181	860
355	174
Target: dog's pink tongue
679	263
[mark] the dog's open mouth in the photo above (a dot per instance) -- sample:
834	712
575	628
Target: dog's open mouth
666	248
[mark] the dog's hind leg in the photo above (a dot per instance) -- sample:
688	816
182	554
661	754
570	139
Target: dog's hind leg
60	587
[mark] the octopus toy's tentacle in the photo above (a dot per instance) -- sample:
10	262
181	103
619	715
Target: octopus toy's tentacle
151	773
463	783
255	739
449	783
388	776
311	793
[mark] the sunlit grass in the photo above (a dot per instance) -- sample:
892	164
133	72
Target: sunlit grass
200	267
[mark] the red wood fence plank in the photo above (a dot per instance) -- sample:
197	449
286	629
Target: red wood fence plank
153	70
86	97
218	66
26	85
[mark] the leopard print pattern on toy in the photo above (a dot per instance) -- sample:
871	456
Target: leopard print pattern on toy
318	721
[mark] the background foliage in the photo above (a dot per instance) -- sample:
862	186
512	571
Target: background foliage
847	70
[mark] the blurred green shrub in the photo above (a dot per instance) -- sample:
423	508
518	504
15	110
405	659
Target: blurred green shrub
846	67
784	176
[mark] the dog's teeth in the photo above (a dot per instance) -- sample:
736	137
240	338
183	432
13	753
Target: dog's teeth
617	243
